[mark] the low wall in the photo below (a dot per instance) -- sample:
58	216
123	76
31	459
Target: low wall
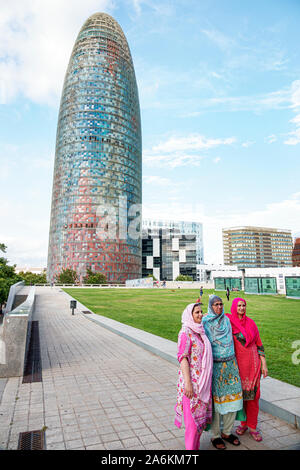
189	285
15	337
14	289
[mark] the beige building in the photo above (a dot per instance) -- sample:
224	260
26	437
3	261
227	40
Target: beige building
257	247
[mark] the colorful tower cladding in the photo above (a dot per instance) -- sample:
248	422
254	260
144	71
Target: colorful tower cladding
98	161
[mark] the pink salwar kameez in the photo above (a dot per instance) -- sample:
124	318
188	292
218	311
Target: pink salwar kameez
197	411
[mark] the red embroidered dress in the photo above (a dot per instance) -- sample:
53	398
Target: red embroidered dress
249	364
248	349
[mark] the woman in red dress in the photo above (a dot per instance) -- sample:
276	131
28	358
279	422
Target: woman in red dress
251	360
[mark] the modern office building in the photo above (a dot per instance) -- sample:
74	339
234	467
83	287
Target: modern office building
183	227
98	168
257	247
167	253
296	252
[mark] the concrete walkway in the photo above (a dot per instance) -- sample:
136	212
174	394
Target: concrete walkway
102	391
284	404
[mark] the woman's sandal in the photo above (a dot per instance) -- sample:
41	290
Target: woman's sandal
231	439
256	436
240	430
217	442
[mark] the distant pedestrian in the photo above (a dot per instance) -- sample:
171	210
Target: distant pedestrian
200	294
227	293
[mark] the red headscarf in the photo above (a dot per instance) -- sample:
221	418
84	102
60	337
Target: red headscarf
246	325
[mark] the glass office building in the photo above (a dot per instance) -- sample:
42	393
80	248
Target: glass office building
98	168
184	227
257	247
167	253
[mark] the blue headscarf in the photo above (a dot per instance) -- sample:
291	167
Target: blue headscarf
219	332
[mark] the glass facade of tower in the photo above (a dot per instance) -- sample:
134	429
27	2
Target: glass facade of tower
98	168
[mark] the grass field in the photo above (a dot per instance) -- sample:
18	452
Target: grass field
158	311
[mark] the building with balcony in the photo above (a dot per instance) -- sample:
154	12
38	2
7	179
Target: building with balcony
257	247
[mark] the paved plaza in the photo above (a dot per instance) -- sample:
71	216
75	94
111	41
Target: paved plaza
100	391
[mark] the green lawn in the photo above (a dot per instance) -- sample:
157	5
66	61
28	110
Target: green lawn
158	311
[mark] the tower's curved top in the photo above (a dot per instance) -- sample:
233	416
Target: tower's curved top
94	27
110	25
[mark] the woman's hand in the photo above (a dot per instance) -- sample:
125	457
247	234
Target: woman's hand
188	390
264	369
188	387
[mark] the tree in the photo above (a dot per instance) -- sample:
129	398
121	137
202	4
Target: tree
67	276
3	247
32	278
94	278
8	276
183	277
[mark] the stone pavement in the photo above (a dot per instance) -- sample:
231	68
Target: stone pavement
100	391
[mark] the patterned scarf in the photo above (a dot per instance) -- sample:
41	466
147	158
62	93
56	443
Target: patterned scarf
219	332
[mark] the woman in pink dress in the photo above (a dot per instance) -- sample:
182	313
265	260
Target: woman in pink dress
194	399
251	361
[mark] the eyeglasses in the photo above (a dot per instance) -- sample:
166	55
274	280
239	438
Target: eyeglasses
217	305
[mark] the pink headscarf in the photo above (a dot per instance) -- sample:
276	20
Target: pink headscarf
204	383
188	320
246	325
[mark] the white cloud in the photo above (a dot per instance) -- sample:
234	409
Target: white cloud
182	151
248	143
295	139
296	120
191	142
271	138
36	40
295	94
285	98
220	39
156	180
173	160
137	5
295	100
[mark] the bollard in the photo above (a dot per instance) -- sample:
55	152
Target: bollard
73	304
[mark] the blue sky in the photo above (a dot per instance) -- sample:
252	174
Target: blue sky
219	87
